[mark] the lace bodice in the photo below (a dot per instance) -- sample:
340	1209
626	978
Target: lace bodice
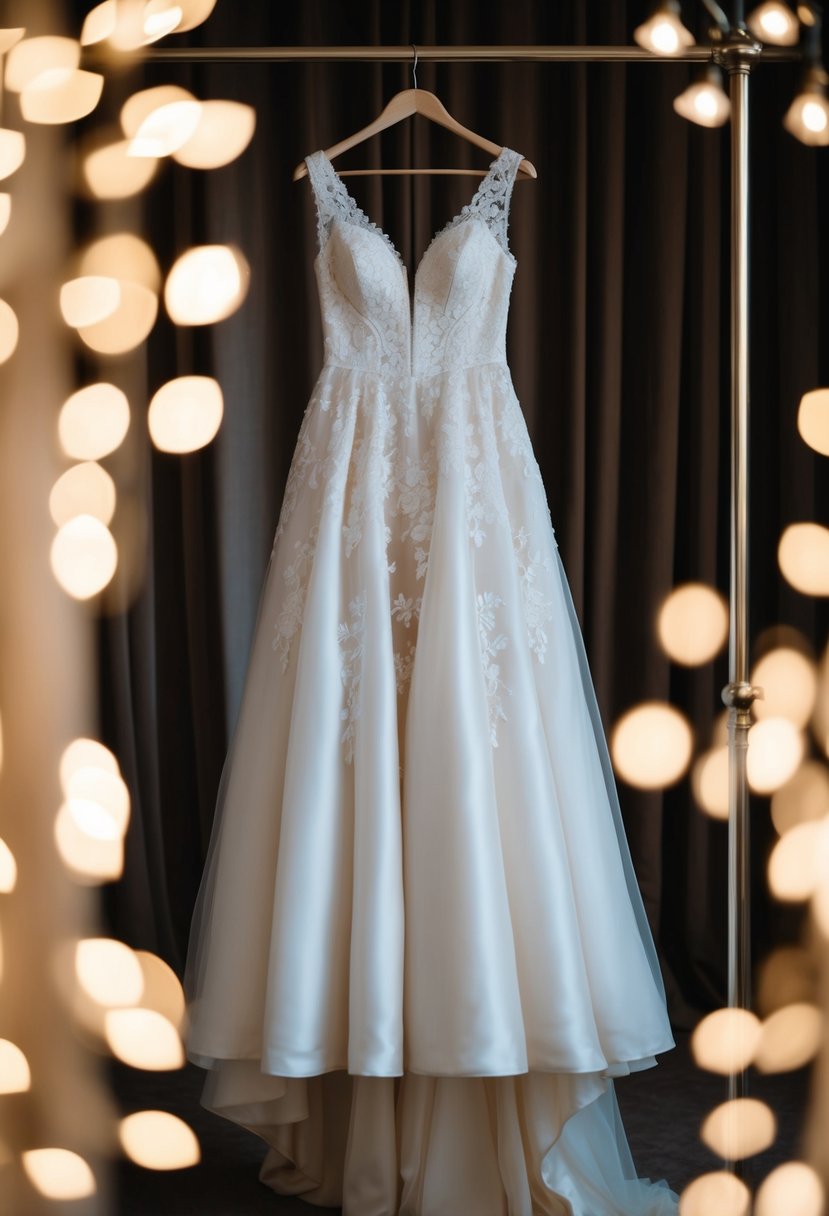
458	315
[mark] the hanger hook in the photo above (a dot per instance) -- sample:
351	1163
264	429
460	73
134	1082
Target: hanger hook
414	66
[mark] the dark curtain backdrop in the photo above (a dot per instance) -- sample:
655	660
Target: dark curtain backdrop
618	344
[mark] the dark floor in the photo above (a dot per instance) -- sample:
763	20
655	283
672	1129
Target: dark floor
662	1110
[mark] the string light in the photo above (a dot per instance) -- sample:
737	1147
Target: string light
705	101
774	22
663	33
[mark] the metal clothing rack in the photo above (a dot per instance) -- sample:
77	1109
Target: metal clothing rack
737	54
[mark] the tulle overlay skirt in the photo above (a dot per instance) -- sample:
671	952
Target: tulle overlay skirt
419	954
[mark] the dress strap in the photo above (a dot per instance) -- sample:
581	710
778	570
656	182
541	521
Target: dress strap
330	195
492	198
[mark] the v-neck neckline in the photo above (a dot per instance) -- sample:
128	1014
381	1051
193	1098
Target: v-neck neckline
372	226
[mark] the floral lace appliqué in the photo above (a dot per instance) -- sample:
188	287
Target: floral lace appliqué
289	620
492	644
351	636
538	610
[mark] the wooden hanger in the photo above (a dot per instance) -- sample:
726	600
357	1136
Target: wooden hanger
403	105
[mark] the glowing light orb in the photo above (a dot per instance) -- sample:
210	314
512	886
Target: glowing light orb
9	331
93	421
5	212
803	557
185	413
110	172
88	859
61	95
85	489
739	1128
718	1192
144	1039
157	1140
8	869
775	750
83	556
789	682
793	1188
32	57
804	797
58	1173
206	284
99	23
651	745
12	151
15	1076
791	1037
128	326
162	988
105	789
85	753
224	130
89	299
693	624
123	256
726	1040
108	971
709	782
813	419
796	860
166	129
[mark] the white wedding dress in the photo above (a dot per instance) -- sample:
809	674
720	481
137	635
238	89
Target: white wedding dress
419	954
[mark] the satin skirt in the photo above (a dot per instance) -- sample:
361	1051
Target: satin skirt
419	953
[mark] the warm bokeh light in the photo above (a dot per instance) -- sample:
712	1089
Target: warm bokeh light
89	859
123	256
789	682
725	1041
83	556
224	130
704	102
718	1192
15	1076
206	284
8	869
813	419
160	19
651	745
803	555
99	23
786	976
85	489
61	95
820	906
5	212
162	988
137	108
108	971
804	797
12	151
194	12
166	129
9	331
739	1128
185	413
144	1039
793	1188
89	299
795	864
93	421
58	1173
693	623
820	718
807	118
93	819
106	789
34	56
110	172
663	34
158	1140
709	782
791	1037
775	750
128	326
774	22
85	753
